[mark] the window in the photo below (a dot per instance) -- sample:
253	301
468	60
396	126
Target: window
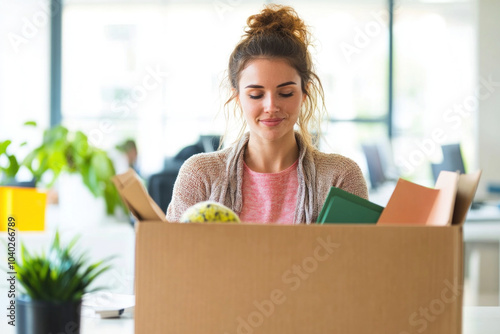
111	91
435	71
24	78
147	71
352	61
152	71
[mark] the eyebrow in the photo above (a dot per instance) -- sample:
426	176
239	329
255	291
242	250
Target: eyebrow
280	85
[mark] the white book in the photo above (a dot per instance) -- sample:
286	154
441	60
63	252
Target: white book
108	305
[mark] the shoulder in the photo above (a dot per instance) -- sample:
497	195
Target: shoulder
205	163
332	161
339	171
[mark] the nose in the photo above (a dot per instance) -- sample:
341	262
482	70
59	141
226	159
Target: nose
270	104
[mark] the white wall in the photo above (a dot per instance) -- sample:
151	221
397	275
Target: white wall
489	107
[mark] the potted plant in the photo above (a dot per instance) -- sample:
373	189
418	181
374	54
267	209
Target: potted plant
63	151
15	195
53	285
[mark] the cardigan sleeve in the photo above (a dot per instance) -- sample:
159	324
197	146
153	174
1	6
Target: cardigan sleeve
189	188
354	181
341	172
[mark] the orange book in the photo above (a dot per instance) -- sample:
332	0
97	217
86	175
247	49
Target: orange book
414	204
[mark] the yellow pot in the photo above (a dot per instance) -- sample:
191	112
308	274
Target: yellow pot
25	205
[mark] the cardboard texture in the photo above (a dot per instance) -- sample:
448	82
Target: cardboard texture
331	278
442	211
467	186
136	197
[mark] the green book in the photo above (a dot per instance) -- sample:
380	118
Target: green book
343	207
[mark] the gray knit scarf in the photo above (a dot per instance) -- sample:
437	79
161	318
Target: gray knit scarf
231	194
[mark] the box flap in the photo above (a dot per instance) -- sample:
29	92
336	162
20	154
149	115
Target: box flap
135	196
467	186
442	211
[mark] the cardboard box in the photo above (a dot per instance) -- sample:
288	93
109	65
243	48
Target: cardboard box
247	278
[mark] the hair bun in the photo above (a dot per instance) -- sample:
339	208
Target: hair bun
277	19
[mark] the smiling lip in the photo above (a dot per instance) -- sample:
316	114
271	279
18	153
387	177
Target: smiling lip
271	121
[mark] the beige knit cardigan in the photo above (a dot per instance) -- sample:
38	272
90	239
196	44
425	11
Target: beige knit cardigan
217	176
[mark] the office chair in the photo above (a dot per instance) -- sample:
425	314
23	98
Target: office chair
161	185
375	166
452	161
210	142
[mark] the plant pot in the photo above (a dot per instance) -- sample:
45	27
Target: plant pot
43	317
78	207
25	205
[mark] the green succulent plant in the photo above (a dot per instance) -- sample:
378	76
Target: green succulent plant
60	275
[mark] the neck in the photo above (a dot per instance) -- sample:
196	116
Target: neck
271	156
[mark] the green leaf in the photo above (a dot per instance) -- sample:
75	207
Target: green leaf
3	146
30	123
80	144
66	151
11	171
102	165
93	182
62	275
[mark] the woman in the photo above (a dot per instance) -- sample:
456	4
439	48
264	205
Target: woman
273	173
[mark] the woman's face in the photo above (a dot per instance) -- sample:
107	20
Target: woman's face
270	95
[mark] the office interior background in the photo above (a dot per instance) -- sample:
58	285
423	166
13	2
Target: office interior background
408	75
442	53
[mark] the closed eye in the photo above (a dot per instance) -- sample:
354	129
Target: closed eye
287	95
255	97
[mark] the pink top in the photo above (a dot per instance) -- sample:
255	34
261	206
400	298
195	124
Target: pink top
269	197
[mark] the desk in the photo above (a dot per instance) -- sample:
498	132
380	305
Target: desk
482	257
123	325
477	320
481	320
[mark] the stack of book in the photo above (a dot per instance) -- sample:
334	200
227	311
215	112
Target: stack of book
410	203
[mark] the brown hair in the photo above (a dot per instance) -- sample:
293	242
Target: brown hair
278	32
